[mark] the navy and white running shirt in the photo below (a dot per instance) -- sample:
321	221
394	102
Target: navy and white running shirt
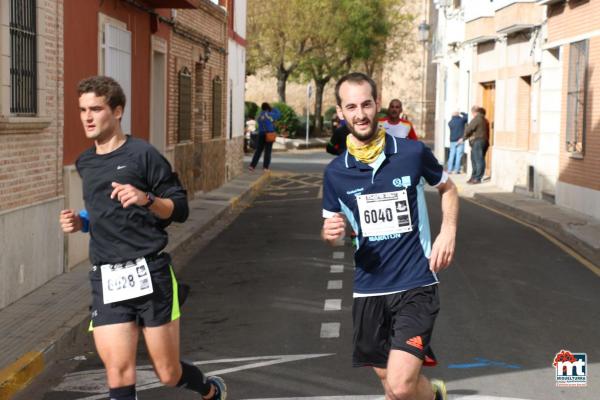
394	262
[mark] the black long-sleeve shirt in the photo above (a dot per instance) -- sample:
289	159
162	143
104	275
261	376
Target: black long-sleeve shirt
119	234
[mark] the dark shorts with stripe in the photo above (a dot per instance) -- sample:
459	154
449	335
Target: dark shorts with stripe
400	321
158	308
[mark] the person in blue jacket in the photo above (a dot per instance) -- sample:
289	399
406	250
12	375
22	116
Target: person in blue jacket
457	145
266	135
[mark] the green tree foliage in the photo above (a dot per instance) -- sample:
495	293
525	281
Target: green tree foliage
288	123
277	38
250	109
320	40
355	35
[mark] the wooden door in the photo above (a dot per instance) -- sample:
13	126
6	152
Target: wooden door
489	95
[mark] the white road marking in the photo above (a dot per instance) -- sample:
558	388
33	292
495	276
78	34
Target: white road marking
336	269
330	330
333	305
339	242
333	285
338	255
94	381
320	194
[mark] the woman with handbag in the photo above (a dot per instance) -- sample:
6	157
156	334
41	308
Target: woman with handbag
266	135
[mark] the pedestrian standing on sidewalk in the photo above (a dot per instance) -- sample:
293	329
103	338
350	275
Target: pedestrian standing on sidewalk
376	184
478	134
131	195
457	146
266	135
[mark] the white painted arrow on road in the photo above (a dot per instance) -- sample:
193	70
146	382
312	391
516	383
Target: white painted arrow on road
94	381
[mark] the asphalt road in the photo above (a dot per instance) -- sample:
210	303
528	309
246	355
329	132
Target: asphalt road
270	309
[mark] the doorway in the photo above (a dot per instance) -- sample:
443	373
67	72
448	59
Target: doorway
158	123
487	102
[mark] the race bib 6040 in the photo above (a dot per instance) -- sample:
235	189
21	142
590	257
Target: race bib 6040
384	213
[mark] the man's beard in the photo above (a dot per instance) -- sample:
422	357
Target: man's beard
365	137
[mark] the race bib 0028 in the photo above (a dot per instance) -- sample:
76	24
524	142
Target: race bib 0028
125	281
384	213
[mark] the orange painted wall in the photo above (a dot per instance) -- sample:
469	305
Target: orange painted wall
81	60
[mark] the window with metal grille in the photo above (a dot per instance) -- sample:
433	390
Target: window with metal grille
185	105
23	49
217	108
577	98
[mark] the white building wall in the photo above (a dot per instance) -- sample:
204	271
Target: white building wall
549	120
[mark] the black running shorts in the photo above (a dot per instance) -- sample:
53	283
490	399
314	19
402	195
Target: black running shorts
155	309
401	321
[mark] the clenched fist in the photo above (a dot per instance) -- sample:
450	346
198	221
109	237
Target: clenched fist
70	221
334	228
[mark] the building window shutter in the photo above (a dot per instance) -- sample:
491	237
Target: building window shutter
23	60
577	98
117	65
185	105
217	109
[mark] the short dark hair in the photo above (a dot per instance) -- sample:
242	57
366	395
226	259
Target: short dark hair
354	77
265	107
103	86
393	100
482	111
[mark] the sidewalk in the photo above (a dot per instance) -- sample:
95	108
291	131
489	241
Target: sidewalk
39	328
575	230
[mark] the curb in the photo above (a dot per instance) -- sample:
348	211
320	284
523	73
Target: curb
17	375
554	229
20	373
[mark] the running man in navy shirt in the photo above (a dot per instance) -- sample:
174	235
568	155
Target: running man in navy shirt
377	184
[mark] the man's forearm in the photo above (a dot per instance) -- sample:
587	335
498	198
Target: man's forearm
449	200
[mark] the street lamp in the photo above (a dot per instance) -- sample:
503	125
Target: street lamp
423	38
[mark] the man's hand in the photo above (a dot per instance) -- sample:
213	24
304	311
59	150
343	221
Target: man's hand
334	228
128	195
442	251
70	221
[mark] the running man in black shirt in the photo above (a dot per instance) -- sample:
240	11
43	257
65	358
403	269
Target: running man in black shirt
131	195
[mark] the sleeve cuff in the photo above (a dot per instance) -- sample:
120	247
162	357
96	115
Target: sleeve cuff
443	180
328	214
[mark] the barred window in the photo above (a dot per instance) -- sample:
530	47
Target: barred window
217	107
577	98
23	70
185	105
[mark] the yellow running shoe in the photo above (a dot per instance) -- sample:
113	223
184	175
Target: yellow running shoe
439	389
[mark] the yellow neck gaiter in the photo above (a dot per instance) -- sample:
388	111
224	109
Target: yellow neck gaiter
369	152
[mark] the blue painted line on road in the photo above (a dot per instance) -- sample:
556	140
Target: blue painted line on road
482	363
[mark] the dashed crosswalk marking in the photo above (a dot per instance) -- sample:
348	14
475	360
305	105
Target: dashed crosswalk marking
338	255
330	330
334	285
336	269
333	305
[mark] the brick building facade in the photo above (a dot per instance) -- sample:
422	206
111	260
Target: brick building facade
573	37
31	127
46	47
531	65
198	96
